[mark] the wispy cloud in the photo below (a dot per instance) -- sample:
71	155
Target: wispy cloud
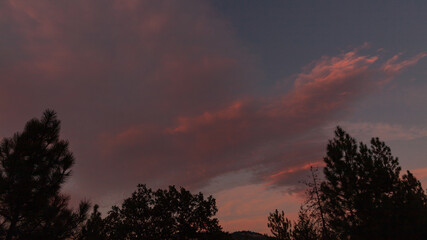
252	133
386	131
393	66
247	207
163	93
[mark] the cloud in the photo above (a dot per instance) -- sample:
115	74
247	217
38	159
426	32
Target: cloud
112	67
290	172
420	173
161	92
254	133
386	132
391	66
247	207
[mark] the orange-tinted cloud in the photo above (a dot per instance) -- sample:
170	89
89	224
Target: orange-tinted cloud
388	132
161	92
421	174
255	133
247	207
392	65
106	67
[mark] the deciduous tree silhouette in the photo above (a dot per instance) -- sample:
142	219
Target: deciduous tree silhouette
314	205
163	214
33	166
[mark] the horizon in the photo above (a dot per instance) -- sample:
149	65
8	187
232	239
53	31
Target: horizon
236	99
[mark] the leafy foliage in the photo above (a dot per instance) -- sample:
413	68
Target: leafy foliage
161	214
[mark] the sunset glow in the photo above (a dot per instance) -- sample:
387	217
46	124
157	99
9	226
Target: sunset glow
235	99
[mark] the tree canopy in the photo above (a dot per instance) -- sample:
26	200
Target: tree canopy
34	165
364	196
163	214
280	226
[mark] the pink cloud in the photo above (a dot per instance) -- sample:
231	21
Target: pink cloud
387	132
392	66
119	74
420	173
291	171
257	133
247	207
162	93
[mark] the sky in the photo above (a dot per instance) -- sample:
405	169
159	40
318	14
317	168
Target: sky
236	99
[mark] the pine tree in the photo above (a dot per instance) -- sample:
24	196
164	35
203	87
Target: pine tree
34	165
364	195
280	226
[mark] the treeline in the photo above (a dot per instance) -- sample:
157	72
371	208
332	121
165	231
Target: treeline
362	196
35	164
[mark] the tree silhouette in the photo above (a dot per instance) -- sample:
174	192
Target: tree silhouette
93	228
314	205
163	214
33	166
304	228
364	195
279	225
